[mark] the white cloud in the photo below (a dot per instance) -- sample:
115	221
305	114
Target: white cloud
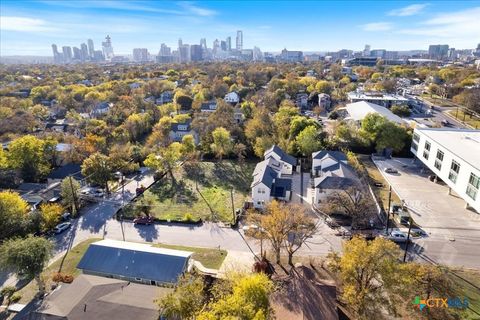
408	10
377	26
23	24
190	7
455	25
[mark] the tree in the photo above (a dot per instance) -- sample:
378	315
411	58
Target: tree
401	111
166	159
97	169
186	300
28	155
301	227
249	299
392	136
352	202
188	145
469	99
13	214
275	225
51	213
309	140
3	160
369	272
69	191
27	256
222	142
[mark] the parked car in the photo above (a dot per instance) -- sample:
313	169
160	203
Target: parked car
390	170
446	123
397	236
147	220
62	227
66	216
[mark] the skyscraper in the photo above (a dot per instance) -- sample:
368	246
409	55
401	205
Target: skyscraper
91	48
229	43
67	54
438	51
165	50
107	48
57	56
203	43
196	52
77	54
216	46
239	40
140	54
366	51
223	45
83	52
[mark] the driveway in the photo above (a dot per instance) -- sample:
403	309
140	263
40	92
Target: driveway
453	231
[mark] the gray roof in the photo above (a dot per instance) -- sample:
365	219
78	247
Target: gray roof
209	106
264	173
133	260
184	127
334	182
280	187
325	159
93	297
66	170
285	157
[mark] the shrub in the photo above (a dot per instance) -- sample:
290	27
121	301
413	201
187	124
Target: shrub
67	278
15	297
188	217
8	292
57	277
61	277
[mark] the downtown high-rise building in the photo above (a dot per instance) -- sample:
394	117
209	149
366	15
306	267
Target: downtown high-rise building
203	43
229	43
67	54
57	56
140	54
438	51
91	48
107	48
366	51
239	39
196	52
84	52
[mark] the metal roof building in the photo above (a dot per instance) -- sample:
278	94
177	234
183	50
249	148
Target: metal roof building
134	262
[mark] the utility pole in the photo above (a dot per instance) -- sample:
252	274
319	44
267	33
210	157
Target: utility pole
408	238
389	204
74	195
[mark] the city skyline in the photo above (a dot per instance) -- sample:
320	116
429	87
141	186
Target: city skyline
399	25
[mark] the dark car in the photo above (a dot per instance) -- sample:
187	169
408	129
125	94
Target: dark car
147	220
446	123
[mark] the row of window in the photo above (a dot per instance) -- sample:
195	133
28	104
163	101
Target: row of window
473	182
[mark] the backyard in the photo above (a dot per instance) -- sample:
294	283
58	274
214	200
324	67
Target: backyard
197	191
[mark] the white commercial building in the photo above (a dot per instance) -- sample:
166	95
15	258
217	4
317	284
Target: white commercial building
381	98
454	156
359	110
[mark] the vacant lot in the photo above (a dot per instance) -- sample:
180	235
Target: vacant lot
199	191
466	118
376	176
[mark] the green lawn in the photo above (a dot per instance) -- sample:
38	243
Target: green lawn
208	257
201	190
467	284
468	119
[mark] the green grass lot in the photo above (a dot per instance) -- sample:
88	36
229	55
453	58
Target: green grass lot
468	119
201	190
437	101
209	257
467	284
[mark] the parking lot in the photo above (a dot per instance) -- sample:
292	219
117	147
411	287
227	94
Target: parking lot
432	207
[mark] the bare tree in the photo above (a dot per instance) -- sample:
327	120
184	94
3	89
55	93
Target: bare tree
301	227
353	202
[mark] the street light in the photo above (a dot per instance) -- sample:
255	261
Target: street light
408	238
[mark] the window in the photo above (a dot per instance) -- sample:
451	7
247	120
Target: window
454	169
438	160
426	151
414	146
473	186
261	190
416	137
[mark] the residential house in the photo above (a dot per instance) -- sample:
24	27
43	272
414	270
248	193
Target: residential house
238	115
62	152
301	100
93	297
101	109
135	85
60	173
165	97
331	172
135	262
232	97
208	107
324	101
272	177
179	130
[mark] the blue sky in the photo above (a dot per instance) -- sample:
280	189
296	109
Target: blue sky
30	27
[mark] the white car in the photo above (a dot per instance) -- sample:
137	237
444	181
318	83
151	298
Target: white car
397	236
62	227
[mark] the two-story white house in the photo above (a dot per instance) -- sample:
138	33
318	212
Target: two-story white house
454	156
232	97
272	177
208	107
331	173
